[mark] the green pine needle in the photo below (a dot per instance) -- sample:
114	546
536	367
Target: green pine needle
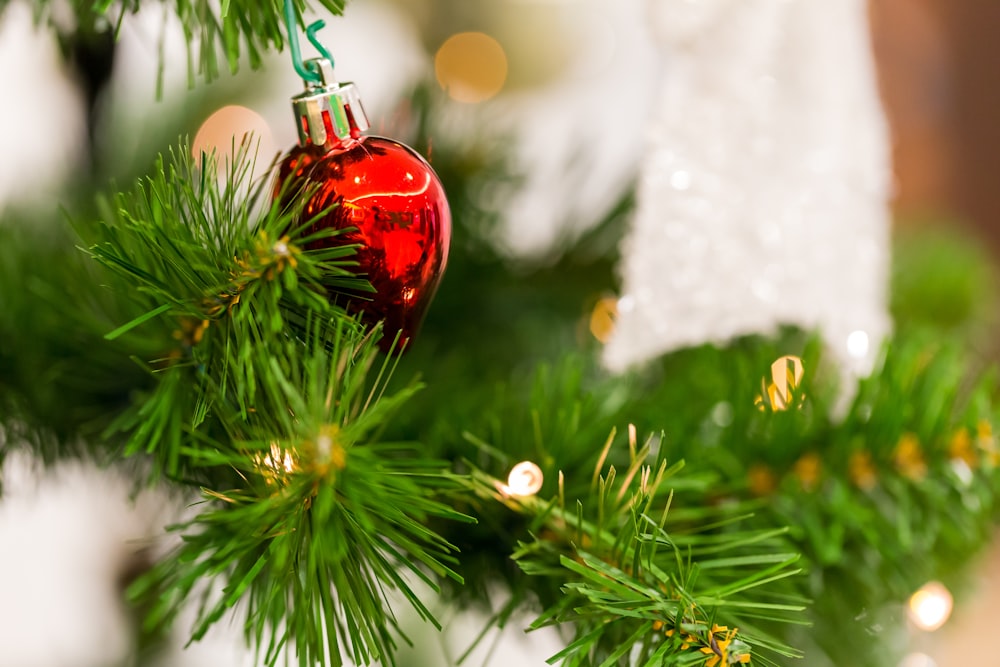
613	573
236	30
219	271
274	402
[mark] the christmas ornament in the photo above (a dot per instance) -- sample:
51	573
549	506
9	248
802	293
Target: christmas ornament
385	194
762	199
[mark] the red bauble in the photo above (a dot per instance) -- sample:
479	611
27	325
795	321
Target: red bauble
396	209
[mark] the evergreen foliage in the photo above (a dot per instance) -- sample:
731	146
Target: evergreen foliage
236	30
195	330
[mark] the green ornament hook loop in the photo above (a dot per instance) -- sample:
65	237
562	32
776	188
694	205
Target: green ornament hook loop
314	40
305	70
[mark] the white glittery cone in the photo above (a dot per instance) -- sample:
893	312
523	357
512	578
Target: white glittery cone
762	199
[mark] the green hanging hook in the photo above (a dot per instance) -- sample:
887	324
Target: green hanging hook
314	40
305	70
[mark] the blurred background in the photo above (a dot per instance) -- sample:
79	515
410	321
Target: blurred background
507	59
937	60
561	86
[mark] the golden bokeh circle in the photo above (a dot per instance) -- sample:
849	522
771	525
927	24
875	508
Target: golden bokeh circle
471	67
603	318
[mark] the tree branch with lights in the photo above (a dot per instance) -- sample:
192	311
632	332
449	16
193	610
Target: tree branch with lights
245	340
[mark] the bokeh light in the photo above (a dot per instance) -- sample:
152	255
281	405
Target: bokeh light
602	318
471	67
930	607
857	344
525	479
229	128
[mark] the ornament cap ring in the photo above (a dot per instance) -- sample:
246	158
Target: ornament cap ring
323	69
328	114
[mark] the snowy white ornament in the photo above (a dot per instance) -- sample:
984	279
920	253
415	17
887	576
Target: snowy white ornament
570	171
762	199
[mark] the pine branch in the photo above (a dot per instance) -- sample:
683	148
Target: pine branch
328	517
60	381
250	384
875	487
234	29
270	398
218	271
640	583
879	486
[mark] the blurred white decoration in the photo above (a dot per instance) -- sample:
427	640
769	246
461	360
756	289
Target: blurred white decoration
763	195
511	645
917	660
222	646
931	606
68	538
41	111
578	138
68	535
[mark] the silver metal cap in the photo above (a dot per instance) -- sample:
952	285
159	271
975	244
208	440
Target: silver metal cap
328	114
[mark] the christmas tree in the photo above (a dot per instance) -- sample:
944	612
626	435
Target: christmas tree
703	446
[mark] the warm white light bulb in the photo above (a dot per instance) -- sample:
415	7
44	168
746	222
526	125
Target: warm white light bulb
930	607
525	479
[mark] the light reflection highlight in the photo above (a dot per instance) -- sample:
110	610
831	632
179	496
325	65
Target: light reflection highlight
931	606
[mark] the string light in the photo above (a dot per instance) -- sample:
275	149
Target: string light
525	479
930	607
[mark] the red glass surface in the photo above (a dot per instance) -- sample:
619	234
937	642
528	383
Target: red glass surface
397	208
